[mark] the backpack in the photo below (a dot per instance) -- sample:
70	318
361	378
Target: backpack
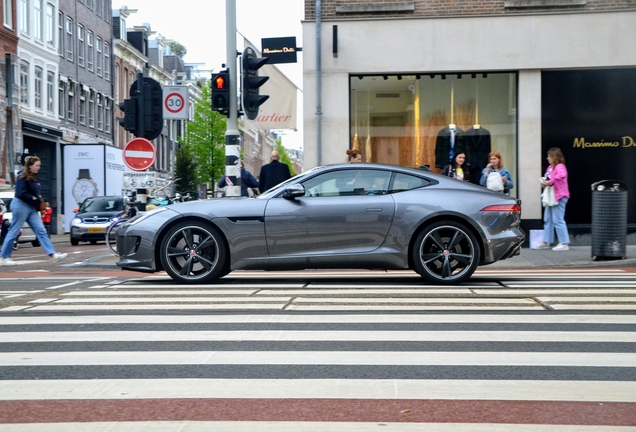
494	182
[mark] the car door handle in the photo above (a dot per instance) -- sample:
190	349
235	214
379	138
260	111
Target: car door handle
373	210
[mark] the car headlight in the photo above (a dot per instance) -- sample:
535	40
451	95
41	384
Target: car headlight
146	215
76	221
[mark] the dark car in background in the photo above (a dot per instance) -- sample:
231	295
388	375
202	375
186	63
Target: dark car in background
93	218
352	216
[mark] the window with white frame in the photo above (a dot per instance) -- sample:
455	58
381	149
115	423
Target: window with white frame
107	114
100	111
70	109
106	61
50	92
37	87
98	56
61	99
24	82
24	16
69	39
81	49
82	107
49	25
37	19
60	34
90	54
7	6
91	109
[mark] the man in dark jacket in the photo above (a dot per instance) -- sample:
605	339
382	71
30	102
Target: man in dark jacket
273	173
247	180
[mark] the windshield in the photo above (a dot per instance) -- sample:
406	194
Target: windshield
101	205
279	187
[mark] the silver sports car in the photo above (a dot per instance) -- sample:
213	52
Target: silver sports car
353	216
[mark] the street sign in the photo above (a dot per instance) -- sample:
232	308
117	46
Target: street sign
175	102
139	154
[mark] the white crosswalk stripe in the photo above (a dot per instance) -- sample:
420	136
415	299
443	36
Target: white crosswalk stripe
122	364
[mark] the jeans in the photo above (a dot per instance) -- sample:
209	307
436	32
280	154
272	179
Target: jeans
553	219
22	212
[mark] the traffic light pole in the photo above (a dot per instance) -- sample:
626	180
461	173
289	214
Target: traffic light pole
232	137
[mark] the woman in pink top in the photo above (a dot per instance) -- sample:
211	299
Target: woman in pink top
553	216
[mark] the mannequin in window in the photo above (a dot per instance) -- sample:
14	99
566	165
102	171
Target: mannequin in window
450	141
478	142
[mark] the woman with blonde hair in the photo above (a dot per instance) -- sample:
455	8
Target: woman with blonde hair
554	216
495	164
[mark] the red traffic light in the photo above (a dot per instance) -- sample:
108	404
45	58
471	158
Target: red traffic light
220	83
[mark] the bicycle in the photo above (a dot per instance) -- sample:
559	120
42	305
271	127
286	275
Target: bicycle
111	232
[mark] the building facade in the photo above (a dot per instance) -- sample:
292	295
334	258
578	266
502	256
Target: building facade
518	77
9	112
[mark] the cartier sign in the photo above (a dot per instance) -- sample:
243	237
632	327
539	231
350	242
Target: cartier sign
279	50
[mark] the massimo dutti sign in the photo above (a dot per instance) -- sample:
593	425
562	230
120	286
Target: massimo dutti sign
279	50
591	116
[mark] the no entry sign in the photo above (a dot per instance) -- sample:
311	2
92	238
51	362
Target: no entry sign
139	154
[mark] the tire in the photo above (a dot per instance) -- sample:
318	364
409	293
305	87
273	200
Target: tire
446	253
193	252
93	242
74	242
111	236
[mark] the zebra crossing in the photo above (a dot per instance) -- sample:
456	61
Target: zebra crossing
498	290
321	353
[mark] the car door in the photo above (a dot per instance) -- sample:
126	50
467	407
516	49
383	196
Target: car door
342	212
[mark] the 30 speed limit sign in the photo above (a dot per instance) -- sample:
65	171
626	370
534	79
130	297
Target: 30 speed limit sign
175	102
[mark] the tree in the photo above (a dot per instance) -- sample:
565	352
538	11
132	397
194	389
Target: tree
177	49
205	139
284	156
185	169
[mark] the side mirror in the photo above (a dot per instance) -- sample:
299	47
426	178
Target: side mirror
294	191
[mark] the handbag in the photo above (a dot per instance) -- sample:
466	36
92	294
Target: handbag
548	198
494	182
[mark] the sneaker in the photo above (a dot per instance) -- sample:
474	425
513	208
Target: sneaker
58	257
561	247
541	246
7	262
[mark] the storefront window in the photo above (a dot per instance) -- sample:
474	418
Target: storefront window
411	120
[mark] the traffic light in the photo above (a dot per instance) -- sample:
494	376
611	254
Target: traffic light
152	109
143	112
251	82
129	108
221	92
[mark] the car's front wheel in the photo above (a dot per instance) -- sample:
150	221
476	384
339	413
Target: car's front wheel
445	253
193	252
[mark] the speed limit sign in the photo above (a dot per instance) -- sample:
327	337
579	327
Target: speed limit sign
175	102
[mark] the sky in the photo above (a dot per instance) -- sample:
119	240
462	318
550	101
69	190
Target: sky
200	27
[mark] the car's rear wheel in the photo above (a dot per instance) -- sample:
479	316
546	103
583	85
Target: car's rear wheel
193	252
446	253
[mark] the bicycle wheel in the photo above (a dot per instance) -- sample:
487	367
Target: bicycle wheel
111	236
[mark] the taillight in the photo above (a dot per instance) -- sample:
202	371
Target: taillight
513	208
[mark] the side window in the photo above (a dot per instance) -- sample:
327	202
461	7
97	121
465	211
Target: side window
404	182
349	182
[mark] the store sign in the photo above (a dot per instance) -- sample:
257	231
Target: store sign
279	50
590	116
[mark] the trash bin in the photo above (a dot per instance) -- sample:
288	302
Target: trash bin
609	220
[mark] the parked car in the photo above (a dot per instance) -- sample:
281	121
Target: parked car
93	217
356	216
28	236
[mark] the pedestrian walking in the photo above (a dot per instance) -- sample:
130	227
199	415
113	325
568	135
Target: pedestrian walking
26	208
273	173
247	181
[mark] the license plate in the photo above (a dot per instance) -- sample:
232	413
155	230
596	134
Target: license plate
96	230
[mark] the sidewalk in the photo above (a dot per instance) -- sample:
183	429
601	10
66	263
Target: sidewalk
577	256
